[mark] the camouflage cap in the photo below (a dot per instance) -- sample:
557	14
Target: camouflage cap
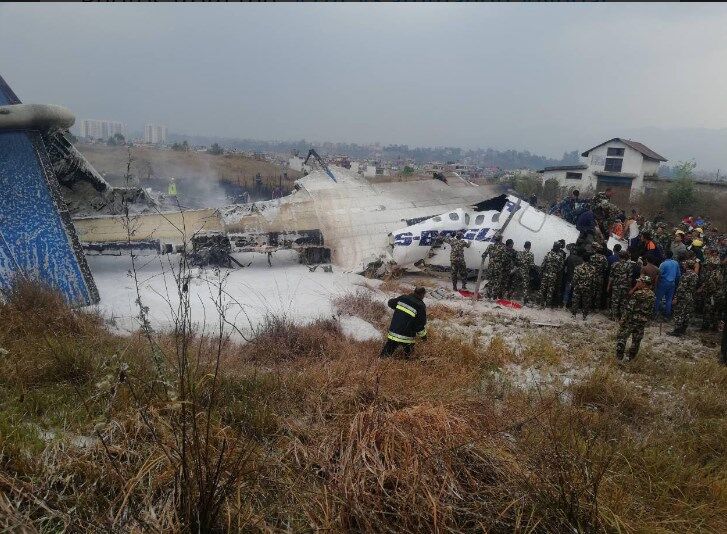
645	278
690	263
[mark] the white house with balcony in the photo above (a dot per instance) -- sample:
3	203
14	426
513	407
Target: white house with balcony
620	164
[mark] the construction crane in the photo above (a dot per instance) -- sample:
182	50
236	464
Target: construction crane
312	152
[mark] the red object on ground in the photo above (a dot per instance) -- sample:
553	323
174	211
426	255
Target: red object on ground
509	304
502	302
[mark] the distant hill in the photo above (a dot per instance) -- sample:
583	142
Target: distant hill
706	146
489	157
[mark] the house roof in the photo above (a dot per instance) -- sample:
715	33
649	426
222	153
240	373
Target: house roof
565	168
639	147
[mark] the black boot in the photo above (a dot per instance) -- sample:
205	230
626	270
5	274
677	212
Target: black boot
454	286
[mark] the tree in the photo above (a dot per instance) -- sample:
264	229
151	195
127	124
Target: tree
215	150
181	147
681	191
116	140
407	171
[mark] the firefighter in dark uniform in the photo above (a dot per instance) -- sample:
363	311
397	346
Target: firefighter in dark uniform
408	324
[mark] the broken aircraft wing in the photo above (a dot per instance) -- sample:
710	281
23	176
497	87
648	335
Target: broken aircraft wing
37	238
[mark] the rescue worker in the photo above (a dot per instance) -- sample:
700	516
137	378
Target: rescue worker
561	282
639	309
457	244
408	324
669	275
583	286
600	271
684	299
574	259
619	283
507	270
172	189
550	272
712	290
525	262
495	252
662	238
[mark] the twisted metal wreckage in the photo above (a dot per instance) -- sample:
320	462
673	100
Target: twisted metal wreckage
54	205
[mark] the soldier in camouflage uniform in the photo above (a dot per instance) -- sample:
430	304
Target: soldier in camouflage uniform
525	261
600	268
619	283
605	211
495	252
456	258
684	298
507	271
582	284
639	309
712	291
550	275
663	239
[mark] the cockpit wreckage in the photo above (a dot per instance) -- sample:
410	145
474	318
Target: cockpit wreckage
334	215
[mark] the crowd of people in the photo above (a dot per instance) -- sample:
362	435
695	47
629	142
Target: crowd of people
671	274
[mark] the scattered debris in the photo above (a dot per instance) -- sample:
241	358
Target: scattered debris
211	250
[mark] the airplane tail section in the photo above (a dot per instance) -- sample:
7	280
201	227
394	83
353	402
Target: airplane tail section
37	237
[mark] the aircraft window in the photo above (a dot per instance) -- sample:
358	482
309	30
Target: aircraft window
437	219
454	216
466	219
496	217
479	219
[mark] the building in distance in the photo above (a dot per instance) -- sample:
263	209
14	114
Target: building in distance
101	129
155	134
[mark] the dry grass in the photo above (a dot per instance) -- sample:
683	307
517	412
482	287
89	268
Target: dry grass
341	440
394	285
363	304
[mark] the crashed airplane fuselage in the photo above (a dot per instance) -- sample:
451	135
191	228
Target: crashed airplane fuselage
507	215
352	216
357	221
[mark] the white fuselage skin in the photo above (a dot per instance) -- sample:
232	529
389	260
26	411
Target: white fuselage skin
415	243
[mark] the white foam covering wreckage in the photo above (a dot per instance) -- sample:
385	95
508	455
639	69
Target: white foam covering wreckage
37	238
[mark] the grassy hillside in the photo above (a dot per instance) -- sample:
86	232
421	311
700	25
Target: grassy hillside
304	429
195	172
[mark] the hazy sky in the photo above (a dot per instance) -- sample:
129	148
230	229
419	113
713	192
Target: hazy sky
542	77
